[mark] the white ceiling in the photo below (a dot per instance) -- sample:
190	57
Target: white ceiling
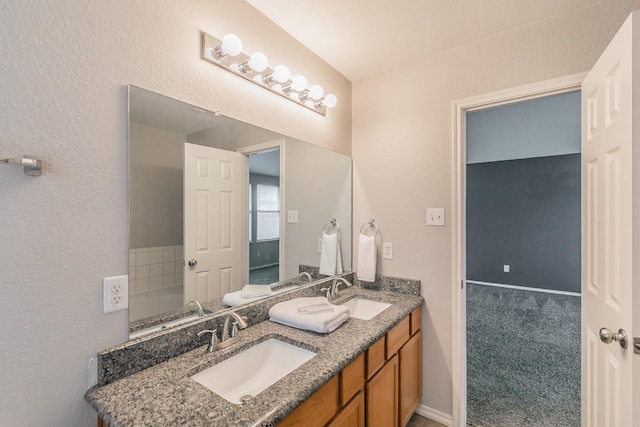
360	38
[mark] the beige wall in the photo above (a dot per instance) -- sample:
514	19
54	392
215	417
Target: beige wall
156	159
402	151
64	67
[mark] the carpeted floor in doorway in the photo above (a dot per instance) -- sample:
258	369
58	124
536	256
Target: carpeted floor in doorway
265	275
523	358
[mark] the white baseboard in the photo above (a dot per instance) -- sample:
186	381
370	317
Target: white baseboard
435	415
524	288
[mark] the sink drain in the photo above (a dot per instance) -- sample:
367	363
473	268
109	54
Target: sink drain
245	398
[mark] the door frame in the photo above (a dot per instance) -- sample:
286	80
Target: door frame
257	148
545	88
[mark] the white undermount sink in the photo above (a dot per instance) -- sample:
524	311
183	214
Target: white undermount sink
247	374
364	308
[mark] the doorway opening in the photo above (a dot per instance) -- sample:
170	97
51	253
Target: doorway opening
264	217
523	263
462	370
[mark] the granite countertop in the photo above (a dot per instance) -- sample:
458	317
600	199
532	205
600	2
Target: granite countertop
165	395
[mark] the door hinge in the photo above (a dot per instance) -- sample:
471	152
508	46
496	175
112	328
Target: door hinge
461	284
636	345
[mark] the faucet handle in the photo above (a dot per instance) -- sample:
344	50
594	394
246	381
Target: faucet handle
234	328
328	292
214	339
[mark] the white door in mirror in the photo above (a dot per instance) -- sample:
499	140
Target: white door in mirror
115	292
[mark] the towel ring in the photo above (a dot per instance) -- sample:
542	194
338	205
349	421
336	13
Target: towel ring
371	223
328	226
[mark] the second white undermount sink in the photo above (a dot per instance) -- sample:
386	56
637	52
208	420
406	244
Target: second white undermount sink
250	372
364	308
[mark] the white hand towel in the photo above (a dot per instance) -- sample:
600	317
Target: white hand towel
286	313
331	255
252	291
313	305
367	258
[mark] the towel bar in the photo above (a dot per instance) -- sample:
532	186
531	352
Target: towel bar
32	165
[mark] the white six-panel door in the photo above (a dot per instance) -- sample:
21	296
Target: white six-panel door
610	396
212	222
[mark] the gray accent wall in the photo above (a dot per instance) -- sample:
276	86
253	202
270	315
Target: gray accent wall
525	213
548	126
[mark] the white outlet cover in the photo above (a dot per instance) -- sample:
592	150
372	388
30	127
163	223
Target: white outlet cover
292	216
115	293
387	250
435	216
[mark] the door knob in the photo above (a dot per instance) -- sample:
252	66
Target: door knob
606	336
193	262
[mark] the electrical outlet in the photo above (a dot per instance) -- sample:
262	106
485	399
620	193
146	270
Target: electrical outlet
115	292
506	268
435	216
387	250
292	217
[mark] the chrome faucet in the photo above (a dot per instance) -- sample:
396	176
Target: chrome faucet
197	304
305	274
334	290
214	339
237	322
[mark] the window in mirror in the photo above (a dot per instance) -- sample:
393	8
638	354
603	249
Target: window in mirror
267	212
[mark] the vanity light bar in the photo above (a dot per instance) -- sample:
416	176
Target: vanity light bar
227	53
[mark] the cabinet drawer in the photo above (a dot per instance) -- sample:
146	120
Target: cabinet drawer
375	357
415	320
352	379
316	410
397	336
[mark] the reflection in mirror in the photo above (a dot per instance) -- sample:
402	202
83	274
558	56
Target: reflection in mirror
186	244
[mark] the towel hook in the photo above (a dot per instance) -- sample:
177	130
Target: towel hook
32	165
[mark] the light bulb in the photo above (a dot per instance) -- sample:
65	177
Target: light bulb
281	74
316	92
330	101
258	62
298	83
231	45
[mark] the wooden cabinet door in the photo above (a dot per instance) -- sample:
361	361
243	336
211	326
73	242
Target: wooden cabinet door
382	396
317	410
351	415
410	357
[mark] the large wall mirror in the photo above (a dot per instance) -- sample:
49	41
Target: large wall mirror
216	204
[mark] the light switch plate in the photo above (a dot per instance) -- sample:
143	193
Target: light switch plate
292	217
435	216
115	293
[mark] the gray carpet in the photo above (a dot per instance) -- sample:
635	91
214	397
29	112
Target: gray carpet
265	275
523	358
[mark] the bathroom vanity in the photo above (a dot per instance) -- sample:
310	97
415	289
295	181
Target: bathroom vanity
366	372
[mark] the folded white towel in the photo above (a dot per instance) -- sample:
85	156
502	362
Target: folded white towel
234	299
251	291
331	255
286	313
312	305
367	258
